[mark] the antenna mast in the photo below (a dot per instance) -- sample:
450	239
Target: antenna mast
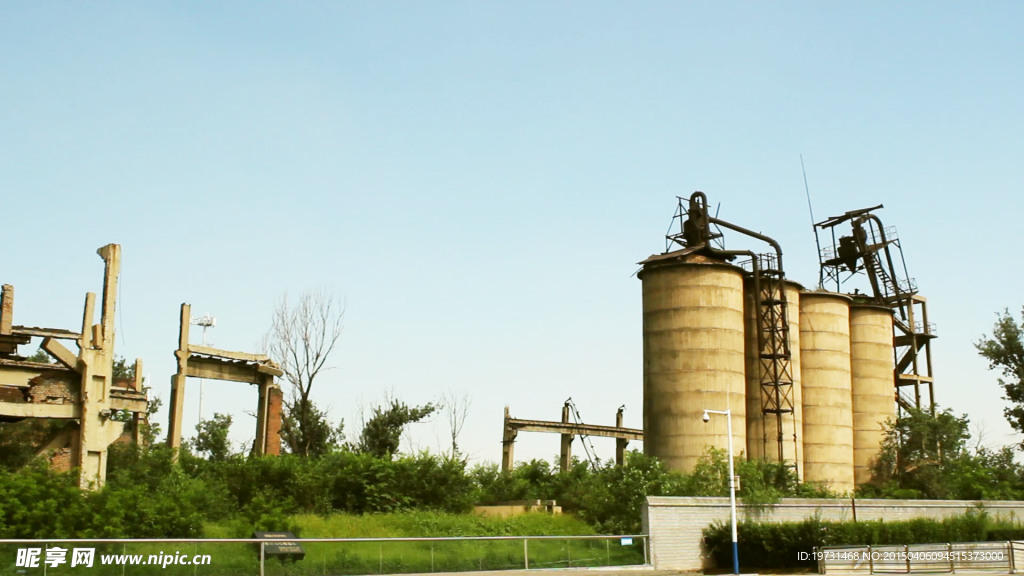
810	208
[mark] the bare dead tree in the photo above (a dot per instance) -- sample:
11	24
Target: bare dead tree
301	340
456	409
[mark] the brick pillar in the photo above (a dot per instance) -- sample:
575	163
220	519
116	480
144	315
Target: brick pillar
274	401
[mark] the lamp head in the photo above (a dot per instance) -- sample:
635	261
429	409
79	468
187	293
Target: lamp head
707	417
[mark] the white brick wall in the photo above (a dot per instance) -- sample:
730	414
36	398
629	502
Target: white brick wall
675	524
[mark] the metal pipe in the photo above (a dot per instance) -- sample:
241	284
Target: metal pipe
759	236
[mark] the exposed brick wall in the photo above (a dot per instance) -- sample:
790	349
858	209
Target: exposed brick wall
53	388
11	394
675	524
60	459
274	401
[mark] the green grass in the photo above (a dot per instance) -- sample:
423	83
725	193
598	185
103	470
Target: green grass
386	557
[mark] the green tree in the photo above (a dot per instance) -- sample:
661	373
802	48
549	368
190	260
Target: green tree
921	451
613	497
20	441
41	357
382	433
1004	351
306	431
761	481
150	427
122	370
212	437
986	474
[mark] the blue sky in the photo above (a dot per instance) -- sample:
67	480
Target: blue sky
478	180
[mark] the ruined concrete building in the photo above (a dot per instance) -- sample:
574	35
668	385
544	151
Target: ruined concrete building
205	362
79	388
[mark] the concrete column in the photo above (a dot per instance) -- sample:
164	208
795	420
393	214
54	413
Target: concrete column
620	443
178	381
565	459
260	444
97	431
508	441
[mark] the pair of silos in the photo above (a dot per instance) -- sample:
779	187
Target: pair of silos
847	387
701	352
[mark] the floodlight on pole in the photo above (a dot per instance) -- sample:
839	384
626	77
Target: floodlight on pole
732	486
206	321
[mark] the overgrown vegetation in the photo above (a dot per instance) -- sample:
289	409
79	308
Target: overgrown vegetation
147	495
1004	351
926	455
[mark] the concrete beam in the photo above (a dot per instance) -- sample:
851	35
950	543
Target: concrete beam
575	429
199	367
270	370
60	353
34	332
18	378
263	363
227	354
136	405
27	410
20	373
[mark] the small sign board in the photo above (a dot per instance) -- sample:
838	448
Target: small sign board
281	545
626	541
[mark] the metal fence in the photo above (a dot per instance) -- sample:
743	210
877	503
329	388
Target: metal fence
322	556
1002	557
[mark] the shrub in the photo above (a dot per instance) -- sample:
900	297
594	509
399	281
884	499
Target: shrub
776	545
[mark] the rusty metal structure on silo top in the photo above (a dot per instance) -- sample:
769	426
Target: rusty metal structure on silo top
874	250
871	383
693	356
825	381
762	435
702	243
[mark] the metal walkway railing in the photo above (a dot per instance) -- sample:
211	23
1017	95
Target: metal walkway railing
323	556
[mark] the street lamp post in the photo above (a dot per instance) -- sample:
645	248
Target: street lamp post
732	487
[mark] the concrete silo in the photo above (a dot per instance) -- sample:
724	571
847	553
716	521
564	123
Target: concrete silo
825	386
873	394
762	429
693	356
